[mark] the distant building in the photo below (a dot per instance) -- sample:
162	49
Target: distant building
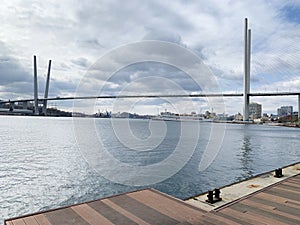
238	117
254	110
265	115
285	111
265	118
209	114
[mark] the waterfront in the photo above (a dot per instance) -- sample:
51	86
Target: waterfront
41	166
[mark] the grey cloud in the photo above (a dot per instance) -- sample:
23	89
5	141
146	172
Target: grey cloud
163	35
17	89
64	66
10	68
15	80
130	21
133	74
151	77
61	88
92	43
24	89
11	71
81	61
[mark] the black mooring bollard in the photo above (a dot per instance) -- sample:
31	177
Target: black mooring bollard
210	197
278	173
214	196
217	195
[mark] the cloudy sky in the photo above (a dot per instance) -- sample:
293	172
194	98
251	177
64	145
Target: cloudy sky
78	35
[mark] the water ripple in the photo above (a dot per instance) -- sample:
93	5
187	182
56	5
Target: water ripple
42	168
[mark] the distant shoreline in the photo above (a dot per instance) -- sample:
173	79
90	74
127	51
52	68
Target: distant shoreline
288	124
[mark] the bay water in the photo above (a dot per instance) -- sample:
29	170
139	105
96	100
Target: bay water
44	165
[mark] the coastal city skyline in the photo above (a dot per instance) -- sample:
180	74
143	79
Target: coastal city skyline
59	33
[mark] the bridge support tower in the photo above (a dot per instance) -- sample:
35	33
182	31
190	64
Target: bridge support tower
247	54
47	90
298	107
36	104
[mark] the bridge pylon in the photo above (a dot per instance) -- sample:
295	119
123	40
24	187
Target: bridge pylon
35	84
247	61
35	91
298	107
46	90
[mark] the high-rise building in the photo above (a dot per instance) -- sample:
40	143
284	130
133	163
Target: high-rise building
254	110
285	111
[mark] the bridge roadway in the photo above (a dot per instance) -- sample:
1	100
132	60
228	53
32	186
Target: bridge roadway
154	96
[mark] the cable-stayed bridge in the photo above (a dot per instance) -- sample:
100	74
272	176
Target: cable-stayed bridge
156	96
43	100
246	93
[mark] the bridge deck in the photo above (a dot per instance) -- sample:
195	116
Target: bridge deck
203	95
276	204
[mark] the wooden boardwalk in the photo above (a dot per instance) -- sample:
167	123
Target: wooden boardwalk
140	207
276	204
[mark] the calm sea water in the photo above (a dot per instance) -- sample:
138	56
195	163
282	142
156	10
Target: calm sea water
43	166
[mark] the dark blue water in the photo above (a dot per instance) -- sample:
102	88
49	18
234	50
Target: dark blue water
43	163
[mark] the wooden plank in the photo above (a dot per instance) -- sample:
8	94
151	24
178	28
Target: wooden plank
292	194
290	187
8	223
266	220
142	211
272	212
232	218
291	184
266	213
216	218
18	222
90	215
285	194
294	180
202	221
276	199
111	214
30	220
166	205
284	189
65	216
176	200
246	218
206	220
124	212
264	195
294	204
41	219
279	206
248	202
185	223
